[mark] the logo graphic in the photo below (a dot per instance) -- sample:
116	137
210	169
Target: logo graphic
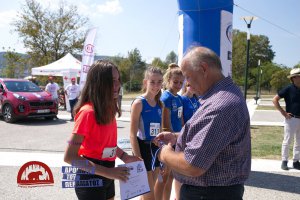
85	68
159	112
229	33
35	173
139	168
89	48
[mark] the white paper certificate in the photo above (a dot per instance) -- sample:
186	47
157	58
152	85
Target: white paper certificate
137	184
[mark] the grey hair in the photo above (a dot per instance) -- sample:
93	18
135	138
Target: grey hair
198	55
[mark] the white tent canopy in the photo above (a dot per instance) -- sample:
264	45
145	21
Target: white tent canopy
66	64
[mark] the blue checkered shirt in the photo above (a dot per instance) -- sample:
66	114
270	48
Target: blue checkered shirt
217	138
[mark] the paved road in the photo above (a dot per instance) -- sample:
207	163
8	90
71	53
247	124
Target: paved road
45	141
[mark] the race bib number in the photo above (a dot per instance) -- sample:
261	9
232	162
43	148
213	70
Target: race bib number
154	129
109	152
180	109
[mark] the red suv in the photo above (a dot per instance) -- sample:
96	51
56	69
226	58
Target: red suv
21	98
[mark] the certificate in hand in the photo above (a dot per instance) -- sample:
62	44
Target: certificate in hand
137	184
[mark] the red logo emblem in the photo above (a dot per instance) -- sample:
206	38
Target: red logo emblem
35	173
89	48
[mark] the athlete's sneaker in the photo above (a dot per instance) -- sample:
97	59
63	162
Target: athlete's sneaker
284	165
296	165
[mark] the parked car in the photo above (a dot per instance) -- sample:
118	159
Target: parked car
21	98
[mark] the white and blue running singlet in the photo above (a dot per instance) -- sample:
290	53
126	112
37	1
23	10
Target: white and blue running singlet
190	106
150	121
174	104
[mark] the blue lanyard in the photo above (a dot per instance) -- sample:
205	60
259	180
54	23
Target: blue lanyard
154	157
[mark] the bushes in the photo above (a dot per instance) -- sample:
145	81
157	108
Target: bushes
135	86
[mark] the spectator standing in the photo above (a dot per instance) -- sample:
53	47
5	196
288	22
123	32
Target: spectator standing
291	95
53	89
72	91
212	159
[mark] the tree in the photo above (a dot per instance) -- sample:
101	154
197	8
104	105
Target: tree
157	62
171	58
14	64
279	79
49	35
123	66
136	70
260	49
268	69
297	65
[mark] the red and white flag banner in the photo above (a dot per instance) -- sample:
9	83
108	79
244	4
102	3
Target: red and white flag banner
87	55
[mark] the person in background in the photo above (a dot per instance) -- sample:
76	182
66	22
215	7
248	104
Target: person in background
212	158
94	137
121	93
53	89
190	101
72	91
291	95
172	117
145	124
34	80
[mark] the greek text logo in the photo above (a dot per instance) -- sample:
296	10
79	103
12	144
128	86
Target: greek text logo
71	175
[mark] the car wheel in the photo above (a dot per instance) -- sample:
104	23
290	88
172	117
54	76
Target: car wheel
8	114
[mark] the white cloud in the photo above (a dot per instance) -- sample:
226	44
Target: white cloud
89	7
6	17
112	7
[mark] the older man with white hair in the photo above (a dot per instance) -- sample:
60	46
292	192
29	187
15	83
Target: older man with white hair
212	158
291	95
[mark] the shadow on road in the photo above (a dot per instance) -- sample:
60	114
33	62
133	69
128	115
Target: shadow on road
285	183
39	122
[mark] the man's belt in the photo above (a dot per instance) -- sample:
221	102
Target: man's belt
295	116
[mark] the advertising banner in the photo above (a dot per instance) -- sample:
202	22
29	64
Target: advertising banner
87	55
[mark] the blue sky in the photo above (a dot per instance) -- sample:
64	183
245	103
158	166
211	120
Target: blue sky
152	25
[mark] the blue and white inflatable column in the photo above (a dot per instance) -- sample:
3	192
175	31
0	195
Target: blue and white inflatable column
207	23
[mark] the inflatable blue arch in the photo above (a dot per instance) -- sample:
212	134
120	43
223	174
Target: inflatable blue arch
206	23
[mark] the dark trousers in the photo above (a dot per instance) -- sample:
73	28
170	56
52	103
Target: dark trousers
233	192
72	104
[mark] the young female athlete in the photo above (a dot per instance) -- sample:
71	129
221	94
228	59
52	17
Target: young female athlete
190	101
146	112
94	137
172	117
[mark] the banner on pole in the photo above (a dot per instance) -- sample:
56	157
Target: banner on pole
87	55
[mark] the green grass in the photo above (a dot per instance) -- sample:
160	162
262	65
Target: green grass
266	142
